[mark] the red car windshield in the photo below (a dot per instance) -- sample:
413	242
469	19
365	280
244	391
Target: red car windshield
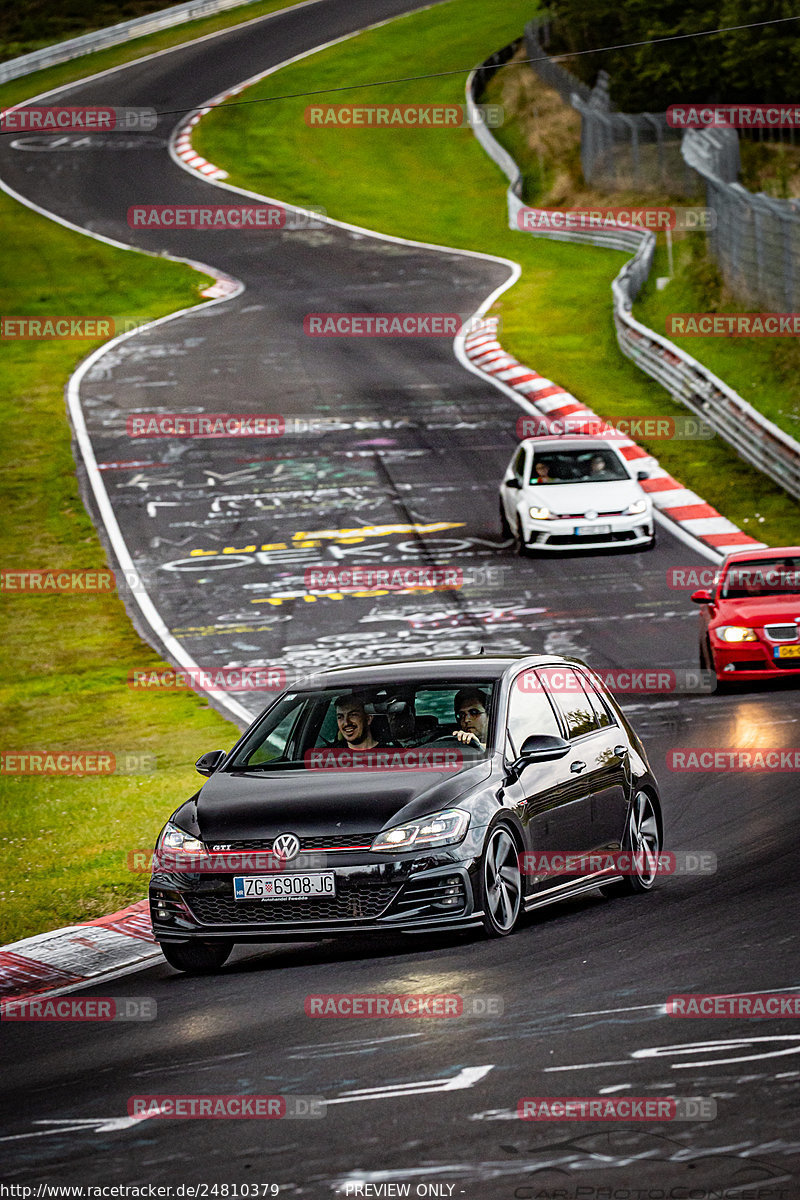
761	577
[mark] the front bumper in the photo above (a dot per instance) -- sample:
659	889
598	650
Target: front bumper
560	535
401	895
749	661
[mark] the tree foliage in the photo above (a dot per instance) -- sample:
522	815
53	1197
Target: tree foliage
756	65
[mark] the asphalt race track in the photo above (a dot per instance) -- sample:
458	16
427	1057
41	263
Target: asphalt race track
420	449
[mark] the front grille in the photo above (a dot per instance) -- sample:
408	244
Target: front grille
747	664
339	841
353	902
442	893
613	512
781	633
563	539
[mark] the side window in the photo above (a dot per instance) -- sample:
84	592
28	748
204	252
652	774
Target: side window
596	701
529	710
571	700
519	463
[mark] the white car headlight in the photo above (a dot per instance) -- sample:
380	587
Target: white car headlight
541	514
736	633
440	829
638	506
174	840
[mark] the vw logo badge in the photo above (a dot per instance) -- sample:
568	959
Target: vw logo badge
590	515
286	846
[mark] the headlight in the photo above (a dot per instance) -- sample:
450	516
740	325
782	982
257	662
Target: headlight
438	830
638	506
540	514
736	633
173	839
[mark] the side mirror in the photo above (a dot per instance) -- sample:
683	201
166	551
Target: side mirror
702	596
513	482
640	475
540	747
208	763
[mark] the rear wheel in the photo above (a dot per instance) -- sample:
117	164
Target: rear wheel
643	840
196	958
501	883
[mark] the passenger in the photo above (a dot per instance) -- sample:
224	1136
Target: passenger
354	722
542	472
598	465
472	713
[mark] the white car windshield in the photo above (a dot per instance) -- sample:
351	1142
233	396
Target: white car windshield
577	466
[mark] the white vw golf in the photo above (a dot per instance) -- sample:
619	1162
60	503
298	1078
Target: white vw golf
566	492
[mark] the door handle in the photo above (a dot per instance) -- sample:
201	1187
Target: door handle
577	767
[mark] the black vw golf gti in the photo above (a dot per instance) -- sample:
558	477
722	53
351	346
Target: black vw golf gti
408	796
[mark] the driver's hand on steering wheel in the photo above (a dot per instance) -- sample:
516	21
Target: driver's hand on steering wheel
463	736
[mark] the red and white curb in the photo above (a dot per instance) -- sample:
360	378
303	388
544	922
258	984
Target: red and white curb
682	507
67	959
182	143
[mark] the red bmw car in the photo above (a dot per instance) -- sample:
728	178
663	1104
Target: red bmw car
750	620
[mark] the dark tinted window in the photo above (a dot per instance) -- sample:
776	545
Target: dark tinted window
519	463
600	710
570	699
577	466
529	710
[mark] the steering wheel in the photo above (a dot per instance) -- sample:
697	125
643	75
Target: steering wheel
449	737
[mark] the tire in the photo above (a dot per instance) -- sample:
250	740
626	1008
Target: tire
500	883
643	828
651	545
520	548
505	528
707	664
196	958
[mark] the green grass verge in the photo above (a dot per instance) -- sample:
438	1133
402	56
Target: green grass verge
64	840
439	186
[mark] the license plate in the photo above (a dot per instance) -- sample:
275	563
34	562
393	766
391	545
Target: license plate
581	529
787	651
284	887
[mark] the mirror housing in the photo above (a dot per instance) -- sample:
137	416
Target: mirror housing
640	475
702	596
540	747
513	482
208	763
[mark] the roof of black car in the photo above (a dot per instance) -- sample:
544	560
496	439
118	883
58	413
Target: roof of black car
404	670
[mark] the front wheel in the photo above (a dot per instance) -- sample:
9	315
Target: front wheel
520	547
196	958
643	841
505	528
500	883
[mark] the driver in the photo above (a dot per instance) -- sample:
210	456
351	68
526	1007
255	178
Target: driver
354	722
472	713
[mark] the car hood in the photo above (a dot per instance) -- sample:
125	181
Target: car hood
758	610
584	497
249	807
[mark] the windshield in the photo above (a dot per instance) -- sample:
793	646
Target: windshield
577	466
416	726
762	577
